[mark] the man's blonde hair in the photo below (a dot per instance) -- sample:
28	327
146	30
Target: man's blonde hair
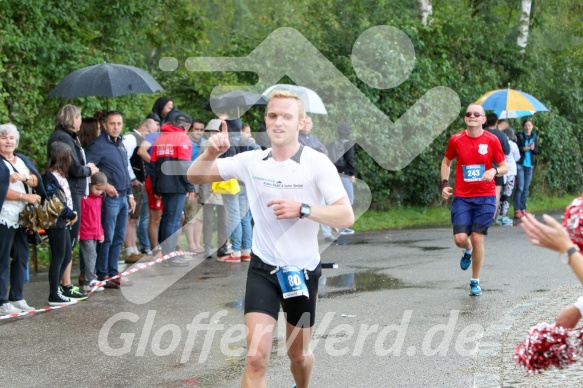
288	94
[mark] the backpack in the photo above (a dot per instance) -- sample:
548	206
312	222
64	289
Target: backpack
336	151
136	162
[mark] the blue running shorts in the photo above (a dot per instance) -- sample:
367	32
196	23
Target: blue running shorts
472	214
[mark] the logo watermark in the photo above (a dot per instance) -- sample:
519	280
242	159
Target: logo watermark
207	332
383	57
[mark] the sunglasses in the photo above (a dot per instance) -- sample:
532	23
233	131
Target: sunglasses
476	114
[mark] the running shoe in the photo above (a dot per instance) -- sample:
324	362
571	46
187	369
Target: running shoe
466	260
475	289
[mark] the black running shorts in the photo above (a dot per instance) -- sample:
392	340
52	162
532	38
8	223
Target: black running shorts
263	295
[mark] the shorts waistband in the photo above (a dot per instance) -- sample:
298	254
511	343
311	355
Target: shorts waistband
256	262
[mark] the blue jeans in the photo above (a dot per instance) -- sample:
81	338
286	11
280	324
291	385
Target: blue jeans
245	214
114	216
143	238
348	186
523	178
234	229
170	222
326	231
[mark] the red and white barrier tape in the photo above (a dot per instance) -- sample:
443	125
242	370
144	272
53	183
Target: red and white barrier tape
134	268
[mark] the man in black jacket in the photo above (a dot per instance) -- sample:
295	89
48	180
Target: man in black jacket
109	154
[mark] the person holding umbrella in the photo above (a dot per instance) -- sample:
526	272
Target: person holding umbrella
68	124
527	142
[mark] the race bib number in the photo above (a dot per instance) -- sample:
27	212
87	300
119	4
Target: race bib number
473	172
292	282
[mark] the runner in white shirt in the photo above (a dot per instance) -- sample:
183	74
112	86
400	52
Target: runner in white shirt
286	185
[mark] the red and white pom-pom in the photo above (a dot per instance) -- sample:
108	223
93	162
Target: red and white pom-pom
547	346
573	221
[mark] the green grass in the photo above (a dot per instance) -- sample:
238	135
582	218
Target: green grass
440	216
393	219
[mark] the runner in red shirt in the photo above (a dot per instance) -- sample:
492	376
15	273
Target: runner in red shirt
474	201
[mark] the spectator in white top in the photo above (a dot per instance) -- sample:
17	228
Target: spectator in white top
509	178
139	218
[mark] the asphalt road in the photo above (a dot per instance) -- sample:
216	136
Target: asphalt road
396	313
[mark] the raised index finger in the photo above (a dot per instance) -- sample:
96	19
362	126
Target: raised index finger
224	129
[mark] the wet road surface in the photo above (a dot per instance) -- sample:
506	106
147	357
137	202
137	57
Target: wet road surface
396	313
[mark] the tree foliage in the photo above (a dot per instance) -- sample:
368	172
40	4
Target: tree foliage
470	47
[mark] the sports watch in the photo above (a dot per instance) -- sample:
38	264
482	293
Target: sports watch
566	256
305	210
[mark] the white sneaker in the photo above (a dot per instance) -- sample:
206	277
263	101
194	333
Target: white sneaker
21	304
347	231
89	287
8	308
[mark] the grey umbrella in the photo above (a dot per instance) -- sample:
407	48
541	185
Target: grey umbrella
105	80
237	99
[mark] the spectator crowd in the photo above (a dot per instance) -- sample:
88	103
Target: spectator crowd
128	191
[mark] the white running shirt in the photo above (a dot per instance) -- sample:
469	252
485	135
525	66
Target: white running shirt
308	177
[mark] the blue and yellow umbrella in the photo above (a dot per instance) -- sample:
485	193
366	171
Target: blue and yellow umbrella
509	103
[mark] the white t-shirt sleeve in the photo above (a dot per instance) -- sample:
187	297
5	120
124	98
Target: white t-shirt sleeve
328	180
236	166
129	142
515	151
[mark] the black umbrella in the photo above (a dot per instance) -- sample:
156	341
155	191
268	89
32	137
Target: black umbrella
235	99
105	80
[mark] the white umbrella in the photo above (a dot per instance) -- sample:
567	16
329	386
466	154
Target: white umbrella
312	101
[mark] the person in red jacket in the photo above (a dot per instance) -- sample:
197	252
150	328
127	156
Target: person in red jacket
172	149
91	230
